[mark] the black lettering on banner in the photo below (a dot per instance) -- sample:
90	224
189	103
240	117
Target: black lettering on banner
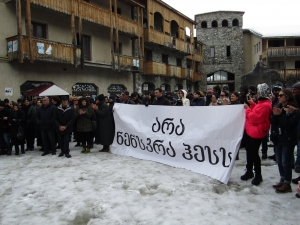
120	142
169	126
188	148
209	155
159	147
141	141
224	157
149	145
171	148
128	139
202	153
183	127
165	122
133	141
158	124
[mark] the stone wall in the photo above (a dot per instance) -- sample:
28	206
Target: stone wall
220	37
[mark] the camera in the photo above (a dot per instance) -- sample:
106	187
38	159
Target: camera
179	102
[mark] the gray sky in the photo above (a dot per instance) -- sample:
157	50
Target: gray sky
262	15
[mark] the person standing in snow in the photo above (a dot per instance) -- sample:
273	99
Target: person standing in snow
182	100
257	126
64	120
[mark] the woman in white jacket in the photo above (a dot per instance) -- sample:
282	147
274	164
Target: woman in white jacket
182	101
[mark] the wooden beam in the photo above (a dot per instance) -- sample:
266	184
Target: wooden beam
80	33
111	36
73	32
29	32
19	26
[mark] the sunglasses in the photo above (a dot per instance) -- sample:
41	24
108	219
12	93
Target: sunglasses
279	96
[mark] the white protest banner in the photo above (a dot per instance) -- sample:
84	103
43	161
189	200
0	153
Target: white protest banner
201	139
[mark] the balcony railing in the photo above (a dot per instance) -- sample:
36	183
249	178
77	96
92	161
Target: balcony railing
289	74
283	51
174	71
186	73
197	77
160	38
92	13
128	63
155	68
43	50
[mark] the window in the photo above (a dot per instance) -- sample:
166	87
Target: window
178	62
297	64
120	48
278	65
228	51
212	51
158	22
86	45
224	23
204	24
235	23
148	55
165	59
214	23
297	42
118	10
39	30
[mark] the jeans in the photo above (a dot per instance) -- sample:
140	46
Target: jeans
5	141
48	137
284	155
252	149
297	163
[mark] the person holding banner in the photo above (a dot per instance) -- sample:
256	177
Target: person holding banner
257	127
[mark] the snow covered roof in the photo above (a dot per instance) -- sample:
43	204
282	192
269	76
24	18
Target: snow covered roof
276	32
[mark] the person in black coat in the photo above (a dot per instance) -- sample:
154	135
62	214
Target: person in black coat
45	119
105	128
4	130
160	99
16	124
30	112
64	120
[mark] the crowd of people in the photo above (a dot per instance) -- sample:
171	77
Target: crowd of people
271	117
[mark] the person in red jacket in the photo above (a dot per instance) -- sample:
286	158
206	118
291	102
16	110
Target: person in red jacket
257	127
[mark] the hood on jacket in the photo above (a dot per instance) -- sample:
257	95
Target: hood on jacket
184	94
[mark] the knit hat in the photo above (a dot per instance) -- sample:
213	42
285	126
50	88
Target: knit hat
296	85
252	87
100	97
263	90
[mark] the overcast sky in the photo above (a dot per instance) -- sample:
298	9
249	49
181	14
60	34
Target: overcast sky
262	15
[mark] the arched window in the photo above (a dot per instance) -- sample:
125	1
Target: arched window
235	23
204	24
158	22
174	29
214	23
224	23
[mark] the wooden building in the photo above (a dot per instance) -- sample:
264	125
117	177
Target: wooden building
89	46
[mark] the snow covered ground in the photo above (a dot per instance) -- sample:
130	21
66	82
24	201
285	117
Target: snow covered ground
102	188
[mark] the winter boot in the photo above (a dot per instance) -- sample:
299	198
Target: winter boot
8	152
285	188
83	150
257	179
22	149
87	150
17	150
105	148
279	184
247	175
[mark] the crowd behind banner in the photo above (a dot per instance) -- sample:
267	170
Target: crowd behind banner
272	119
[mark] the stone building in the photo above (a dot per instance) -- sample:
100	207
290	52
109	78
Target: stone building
223	57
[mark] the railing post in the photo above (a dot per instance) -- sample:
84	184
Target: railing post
19	25
28	18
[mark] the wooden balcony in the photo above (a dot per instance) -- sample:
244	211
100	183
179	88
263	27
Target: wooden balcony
289	74
155	68
43	50
128	63
283	51
187	73
156	37
196	57
174	71
94	14
197	77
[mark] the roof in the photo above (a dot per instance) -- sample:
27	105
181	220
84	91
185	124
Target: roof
220	11
276	32
47	90
176	11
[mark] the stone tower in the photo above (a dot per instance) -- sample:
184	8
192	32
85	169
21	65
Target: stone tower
222	35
